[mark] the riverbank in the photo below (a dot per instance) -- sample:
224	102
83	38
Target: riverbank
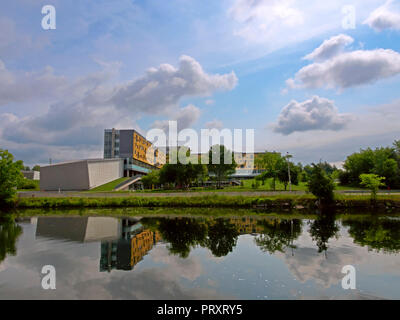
275	202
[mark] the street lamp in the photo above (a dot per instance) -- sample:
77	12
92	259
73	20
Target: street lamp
288	156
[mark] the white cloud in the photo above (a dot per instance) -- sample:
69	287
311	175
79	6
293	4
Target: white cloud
330	48
314	114
348	69
185	117
370	127
260	19
209	102
214	124
163	87
384	17
74	112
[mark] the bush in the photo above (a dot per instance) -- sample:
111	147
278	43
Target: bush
321	185
27	184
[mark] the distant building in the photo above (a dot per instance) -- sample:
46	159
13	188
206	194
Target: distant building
81	174
133	148
31	175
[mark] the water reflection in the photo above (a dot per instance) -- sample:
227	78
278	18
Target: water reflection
377	233
9	233
199	257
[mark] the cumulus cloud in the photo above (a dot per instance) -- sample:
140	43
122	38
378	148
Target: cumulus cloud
214	124
185	118
314	114
330	48
163	87
74	112
348	69
384	17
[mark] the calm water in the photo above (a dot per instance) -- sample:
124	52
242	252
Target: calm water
245	257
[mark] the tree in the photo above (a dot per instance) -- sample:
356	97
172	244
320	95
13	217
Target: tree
372	182
224	162
321	185
384	162
151	179
9	233
322	229
271	162
36	168
283	173
10	176
278	235
222	237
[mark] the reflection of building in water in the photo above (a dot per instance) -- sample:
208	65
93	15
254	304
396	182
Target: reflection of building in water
80	229
246	225
126	252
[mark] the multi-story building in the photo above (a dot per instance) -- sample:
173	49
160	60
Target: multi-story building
139	154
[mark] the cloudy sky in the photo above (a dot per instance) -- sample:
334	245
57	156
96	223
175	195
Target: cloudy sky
289	69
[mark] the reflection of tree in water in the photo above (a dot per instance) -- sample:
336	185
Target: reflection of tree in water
222	237
376	232
9	233
182	234
322	229
219	235
278	235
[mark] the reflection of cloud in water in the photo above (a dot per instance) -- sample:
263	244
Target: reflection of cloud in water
189	268
307	264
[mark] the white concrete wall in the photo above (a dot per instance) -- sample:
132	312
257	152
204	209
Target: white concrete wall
104	171
31	175
80	175
66	176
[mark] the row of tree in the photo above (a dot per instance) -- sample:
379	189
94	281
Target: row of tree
184	174
382	162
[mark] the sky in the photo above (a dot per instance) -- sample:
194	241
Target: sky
306	76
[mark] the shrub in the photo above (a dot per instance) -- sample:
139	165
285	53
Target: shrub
321	185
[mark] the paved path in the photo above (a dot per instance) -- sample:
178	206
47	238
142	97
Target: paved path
55	194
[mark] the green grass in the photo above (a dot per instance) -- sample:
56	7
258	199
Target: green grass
110	186
280	202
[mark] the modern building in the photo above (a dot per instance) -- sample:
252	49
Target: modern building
140	156
31	175
80	175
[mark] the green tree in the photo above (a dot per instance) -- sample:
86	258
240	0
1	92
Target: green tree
271	162
36	168
221	162
151	179
222	237
10	176
278	235
182	234
283	173
378	233
321	185
372	182
9	233
322	229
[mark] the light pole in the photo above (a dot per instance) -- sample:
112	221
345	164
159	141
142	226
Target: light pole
288	156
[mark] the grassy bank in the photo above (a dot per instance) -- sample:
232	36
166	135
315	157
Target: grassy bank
279	202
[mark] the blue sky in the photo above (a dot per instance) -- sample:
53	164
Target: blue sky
222	64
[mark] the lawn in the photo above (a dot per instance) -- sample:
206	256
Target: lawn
110	186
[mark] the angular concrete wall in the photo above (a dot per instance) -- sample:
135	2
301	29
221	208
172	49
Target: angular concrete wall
80	175
101	171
